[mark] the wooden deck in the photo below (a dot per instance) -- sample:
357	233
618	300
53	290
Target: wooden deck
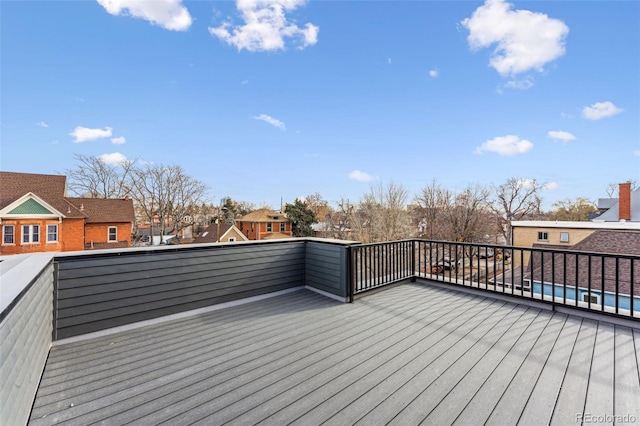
408	355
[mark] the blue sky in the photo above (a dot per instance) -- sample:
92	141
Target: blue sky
264	100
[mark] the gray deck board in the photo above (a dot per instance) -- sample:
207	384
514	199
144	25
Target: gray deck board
573	393
406	355
514	399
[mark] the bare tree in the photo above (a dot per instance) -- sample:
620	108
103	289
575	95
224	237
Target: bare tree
517	199
339	222
318	205
434	202
612	188
381	214
166	194
468	218
94	178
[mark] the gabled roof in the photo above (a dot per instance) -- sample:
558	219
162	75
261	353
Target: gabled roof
210	234
263	215
29	205
51	190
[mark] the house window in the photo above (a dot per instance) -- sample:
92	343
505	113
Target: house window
564	237
543	236
8	234
52	233
232	239
30	234
593	298
113	234
269	227
282	227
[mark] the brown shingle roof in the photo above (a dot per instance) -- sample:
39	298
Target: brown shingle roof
51	188
100	210
583	270
263	215
210	235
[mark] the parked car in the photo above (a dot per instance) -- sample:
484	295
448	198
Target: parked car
485	252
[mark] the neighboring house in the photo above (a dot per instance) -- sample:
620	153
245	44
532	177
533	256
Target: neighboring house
264	224
587	278
626	208
228	234
622	215
37	216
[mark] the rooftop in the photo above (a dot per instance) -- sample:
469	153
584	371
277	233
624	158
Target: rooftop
259	332
410	354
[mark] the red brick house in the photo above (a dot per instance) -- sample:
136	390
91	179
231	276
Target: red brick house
264	224
36	216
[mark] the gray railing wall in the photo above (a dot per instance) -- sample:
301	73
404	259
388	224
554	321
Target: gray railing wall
326	268
113	289
25	335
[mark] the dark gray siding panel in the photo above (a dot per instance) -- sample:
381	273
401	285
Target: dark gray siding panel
25	339
326	267
103	291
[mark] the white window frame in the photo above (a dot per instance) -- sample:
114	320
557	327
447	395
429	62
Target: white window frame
115	234
232	239
5	235
542	234
269	227
49	233
283	227
30	234
564	237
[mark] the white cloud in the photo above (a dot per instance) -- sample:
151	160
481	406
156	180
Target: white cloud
119	140
114	158
360	176
550	186
637	153
505	145
83	134
518	84
389	61
600	110
42	124
561	135
524	40
168	14
273	121
266	26
434	73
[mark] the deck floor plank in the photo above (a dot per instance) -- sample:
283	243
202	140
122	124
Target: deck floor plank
573	393
424	391
627	376
409	354
338	396
514	399
602	376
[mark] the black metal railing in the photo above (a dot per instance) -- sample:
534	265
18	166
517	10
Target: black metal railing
380	264
608	283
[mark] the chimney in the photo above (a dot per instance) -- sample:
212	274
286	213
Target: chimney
624	201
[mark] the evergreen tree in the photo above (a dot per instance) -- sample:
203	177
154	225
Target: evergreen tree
301	218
